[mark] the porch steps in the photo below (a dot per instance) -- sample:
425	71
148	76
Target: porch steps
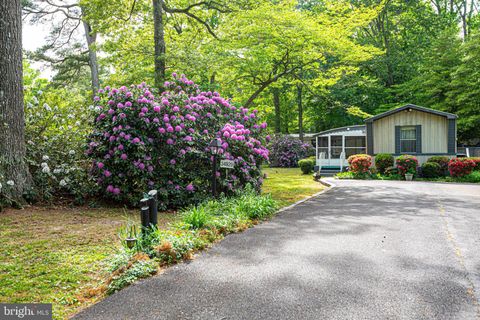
329	171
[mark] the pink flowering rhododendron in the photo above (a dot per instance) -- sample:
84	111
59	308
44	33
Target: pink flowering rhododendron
161	141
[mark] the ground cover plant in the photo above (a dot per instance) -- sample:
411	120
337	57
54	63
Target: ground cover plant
197	228
142	140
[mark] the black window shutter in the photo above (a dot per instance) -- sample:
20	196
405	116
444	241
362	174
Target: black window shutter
419	138
452	135
397	139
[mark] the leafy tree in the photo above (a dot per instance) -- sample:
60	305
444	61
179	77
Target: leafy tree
465	92
63	51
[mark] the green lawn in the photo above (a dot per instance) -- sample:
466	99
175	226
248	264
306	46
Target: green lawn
288	185
54	255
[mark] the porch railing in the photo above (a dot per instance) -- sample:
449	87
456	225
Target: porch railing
342	160
321	157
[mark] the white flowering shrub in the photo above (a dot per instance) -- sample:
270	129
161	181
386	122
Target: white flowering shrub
56	130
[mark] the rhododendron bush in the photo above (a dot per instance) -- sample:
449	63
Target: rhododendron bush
460	167
360	163
142	141
286	151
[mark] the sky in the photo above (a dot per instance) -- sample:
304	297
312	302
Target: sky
33	38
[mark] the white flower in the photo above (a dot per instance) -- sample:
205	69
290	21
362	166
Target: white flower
29	105
0	187
35	100
44	164
63	183
77	123
47	107
46	169
57	171
98	108
45	158
40	92
71	152
10	183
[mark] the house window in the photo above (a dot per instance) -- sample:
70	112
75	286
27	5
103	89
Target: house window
408	139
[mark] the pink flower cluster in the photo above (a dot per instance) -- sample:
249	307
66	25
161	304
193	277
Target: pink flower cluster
146	141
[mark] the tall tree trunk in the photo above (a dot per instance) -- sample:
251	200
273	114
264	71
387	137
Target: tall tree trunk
300	110
12	122
276	104
159	41
92	57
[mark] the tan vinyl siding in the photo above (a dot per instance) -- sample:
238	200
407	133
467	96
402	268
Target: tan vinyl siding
434	131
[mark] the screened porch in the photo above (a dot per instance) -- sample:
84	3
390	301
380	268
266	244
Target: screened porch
333	147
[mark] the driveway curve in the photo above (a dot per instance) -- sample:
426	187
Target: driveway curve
362	250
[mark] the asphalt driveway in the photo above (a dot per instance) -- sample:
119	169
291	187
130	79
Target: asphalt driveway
362	250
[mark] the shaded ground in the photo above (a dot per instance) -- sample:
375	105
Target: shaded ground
364	250
53	255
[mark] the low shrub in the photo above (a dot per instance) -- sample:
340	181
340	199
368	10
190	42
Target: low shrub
442	162
286	151
307	165
431	170
407	164
359	163
391	171
383	161
477	163
460	167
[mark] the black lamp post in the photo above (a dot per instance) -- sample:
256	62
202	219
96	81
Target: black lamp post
215	146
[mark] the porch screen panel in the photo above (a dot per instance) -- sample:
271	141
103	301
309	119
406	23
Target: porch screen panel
355	145
323	146
336	143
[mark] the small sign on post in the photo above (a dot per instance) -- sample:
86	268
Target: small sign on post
227	164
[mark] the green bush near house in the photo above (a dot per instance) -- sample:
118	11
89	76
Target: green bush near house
383	161
442	162
307	165
431	170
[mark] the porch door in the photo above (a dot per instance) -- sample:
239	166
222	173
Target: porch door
336	148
